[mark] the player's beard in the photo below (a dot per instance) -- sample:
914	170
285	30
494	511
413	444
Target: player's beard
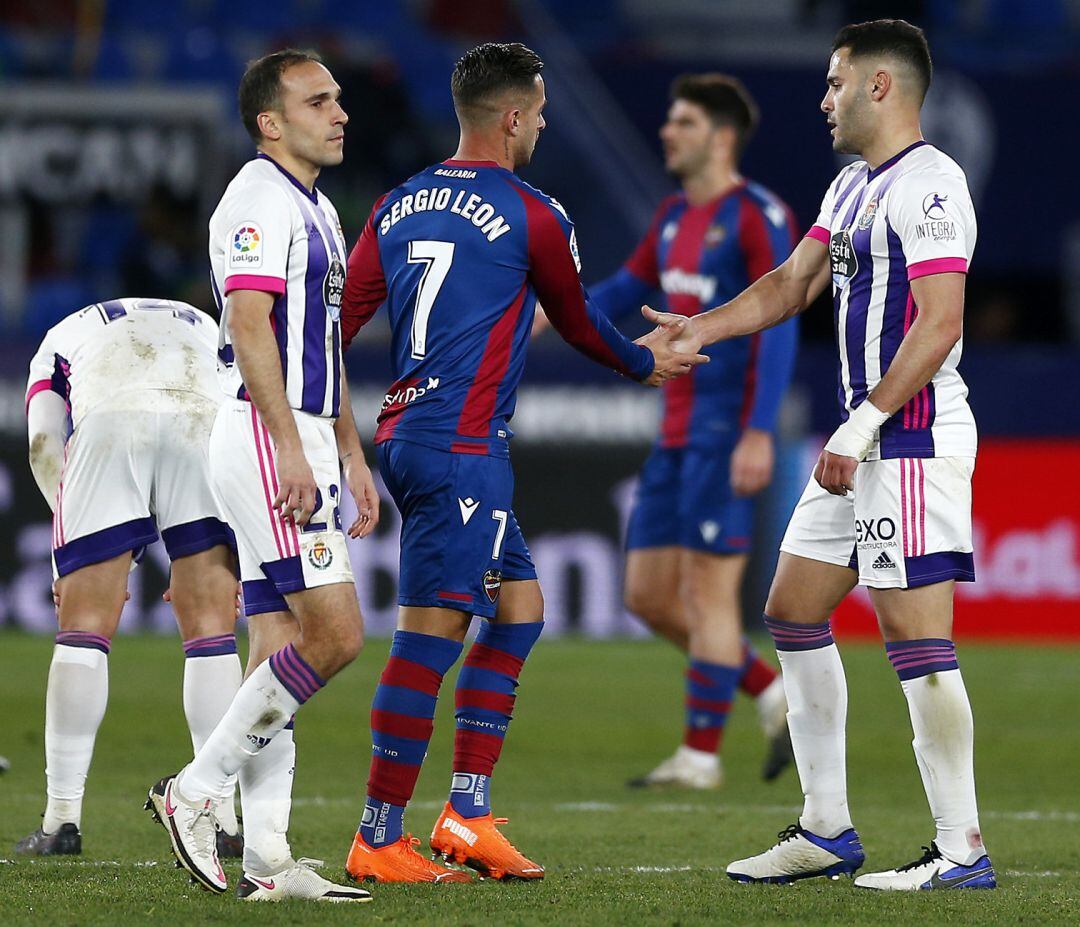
689	164
853	133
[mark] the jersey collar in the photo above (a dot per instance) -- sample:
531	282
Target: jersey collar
450	162
312	195
885	165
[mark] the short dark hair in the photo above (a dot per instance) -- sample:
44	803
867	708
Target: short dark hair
260	87
724	98
490	69
896	38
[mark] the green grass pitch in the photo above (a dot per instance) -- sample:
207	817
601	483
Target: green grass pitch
589	715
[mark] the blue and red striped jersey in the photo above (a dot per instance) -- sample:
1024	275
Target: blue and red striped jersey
699	257
460	253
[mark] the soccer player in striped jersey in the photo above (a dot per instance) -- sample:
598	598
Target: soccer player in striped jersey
459	254
277	259
119	405
689	533
889	504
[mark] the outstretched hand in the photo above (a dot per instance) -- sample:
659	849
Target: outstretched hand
674	345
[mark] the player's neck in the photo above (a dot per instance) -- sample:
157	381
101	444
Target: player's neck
710	185
478	148
304	172
892	142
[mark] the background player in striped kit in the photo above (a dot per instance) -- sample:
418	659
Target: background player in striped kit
889	505
119	405
690	529
277	265
460	253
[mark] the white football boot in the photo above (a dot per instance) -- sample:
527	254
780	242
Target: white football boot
687	768
297	880
192	831
801	855
772	715
932	871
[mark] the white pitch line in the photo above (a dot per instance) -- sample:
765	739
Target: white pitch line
1020	874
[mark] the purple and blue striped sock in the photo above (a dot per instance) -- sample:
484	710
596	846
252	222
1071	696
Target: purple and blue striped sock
912	659
217	646
789	635
710	688
84	639
294	674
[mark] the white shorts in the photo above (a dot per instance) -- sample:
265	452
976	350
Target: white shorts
907	524
130	472
276	558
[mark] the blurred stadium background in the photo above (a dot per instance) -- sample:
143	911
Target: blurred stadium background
118	132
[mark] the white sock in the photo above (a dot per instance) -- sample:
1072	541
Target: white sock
74	706
261	708
266	798
816	692
210	684
944	735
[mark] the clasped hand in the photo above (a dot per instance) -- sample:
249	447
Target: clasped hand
674	344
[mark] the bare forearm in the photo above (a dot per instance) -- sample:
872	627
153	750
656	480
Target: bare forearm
920	355
260	365
761	305
348	439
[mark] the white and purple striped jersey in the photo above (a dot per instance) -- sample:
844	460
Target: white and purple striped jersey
910	217
270	233
109	350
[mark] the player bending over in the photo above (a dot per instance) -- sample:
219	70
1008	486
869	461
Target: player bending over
889	504
119	406
459	254
277	265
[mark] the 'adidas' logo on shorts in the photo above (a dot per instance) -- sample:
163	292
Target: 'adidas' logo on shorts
884	562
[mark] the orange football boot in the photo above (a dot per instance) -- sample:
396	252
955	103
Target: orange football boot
477	843
397	862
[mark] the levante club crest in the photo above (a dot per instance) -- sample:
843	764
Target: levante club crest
492	584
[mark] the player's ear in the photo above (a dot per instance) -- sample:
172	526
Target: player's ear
880	84
512	122
268	125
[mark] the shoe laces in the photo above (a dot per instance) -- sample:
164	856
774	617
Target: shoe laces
205	837
789	833
930	854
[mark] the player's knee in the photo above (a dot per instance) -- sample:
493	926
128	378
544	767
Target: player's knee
350	642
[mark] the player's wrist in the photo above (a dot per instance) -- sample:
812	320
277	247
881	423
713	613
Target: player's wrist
856	436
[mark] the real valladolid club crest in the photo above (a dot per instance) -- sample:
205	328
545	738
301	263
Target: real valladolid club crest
492	584
867	218
320	556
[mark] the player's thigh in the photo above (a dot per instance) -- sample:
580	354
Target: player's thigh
456	520
520	602
807	591
103	504
203	591
913	522
434	620
92	597
917	613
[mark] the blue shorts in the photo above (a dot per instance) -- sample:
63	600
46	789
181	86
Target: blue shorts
684	499
459	536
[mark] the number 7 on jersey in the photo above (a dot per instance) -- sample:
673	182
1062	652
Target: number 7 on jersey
437	256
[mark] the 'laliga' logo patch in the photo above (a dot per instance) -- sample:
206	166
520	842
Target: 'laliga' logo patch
492	584
320	556
867	218
334	288
246	245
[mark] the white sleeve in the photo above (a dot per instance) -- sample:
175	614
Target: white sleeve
259	230
47	416
48	369
820	230
932	214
